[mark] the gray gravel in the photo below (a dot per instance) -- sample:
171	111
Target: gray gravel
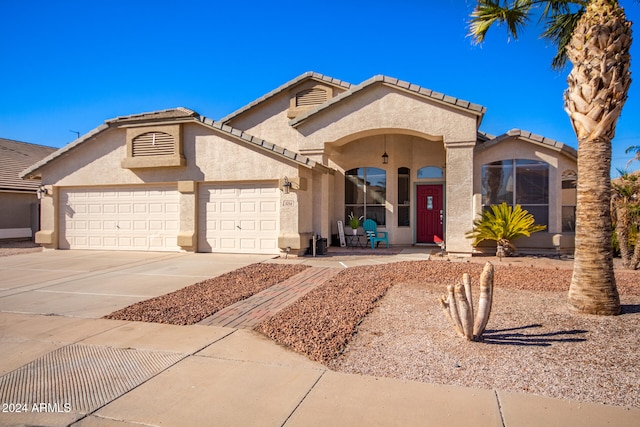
533	343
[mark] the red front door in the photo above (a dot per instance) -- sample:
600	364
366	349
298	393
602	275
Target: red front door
430	214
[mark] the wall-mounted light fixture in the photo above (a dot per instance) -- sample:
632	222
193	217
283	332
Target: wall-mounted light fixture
42	191
286	187
385	156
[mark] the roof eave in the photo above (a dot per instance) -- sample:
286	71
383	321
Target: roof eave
437	97
32	172
262	144
286	86
531	138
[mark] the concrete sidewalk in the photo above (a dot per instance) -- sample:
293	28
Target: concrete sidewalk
72	368
95	372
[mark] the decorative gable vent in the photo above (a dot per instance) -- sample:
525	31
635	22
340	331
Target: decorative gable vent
306	99
153	144
310	97
154	147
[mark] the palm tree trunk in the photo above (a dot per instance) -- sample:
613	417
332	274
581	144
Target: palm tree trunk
598	86
593	286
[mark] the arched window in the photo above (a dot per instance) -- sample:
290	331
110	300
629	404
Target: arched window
365	193
430	172
569	200
516	181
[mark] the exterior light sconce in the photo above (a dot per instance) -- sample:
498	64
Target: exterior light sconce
286	187
41	192
385	156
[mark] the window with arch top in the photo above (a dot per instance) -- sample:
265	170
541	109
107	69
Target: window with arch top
430	172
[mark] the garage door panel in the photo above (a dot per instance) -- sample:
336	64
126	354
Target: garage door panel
268	225
248	225
239	218
126	219
248	207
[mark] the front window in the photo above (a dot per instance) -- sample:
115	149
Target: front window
515	181
365	193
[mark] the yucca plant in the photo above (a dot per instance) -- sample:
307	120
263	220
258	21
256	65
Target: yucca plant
503	224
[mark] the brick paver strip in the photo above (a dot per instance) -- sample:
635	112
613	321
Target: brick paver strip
261	306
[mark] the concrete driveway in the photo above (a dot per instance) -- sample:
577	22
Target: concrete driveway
91	284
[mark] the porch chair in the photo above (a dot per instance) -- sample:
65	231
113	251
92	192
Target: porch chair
373	235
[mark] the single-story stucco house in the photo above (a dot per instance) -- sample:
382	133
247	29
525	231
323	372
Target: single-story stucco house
293	163
19	211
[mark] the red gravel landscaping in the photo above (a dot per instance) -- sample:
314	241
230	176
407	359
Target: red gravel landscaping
320	324
190	305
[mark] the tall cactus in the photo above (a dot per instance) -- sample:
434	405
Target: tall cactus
457	305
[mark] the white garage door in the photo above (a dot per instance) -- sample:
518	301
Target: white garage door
239	218
136	218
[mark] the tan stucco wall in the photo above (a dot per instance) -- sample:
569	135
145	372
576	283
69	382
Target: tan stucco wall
382	107
270	120
515	148
459	197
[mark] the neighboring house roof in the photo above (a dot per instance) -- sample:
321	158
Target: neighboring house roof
14	157
303	77
489	140
179	114
476	109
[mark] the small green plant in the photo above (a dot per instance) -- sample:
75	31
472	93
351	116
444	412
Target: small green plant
354	222
503	224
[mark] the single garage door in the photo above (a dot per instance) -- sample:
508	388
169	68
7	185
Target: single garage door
135	218
240	218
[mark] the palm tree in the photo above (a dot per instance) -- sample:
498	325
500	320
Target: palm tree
503	224
595	36
635	148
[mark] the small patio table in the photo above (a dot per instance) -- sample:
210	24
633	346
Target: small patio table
353	241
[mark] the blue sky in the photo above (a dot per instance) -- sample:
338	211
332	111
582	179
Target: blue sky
70	65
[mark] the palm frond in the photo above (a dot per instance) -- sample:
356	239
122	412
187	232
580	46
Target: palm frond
503	222
489	12
559	29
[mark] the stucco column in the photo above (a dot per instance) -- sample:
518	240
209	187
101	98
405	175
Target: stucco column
295	216
48	234
459	196
188	234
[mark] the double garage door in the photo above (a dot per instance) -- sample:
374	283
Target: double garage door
136	218
232	218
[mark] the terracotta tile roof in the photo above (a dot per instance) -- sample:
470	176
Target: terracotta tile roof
259	143
177	114
306	76
14	157
477	109
169	114
529	137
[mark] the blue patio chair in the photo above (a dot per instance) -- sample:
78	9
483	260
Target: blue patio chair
374	236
